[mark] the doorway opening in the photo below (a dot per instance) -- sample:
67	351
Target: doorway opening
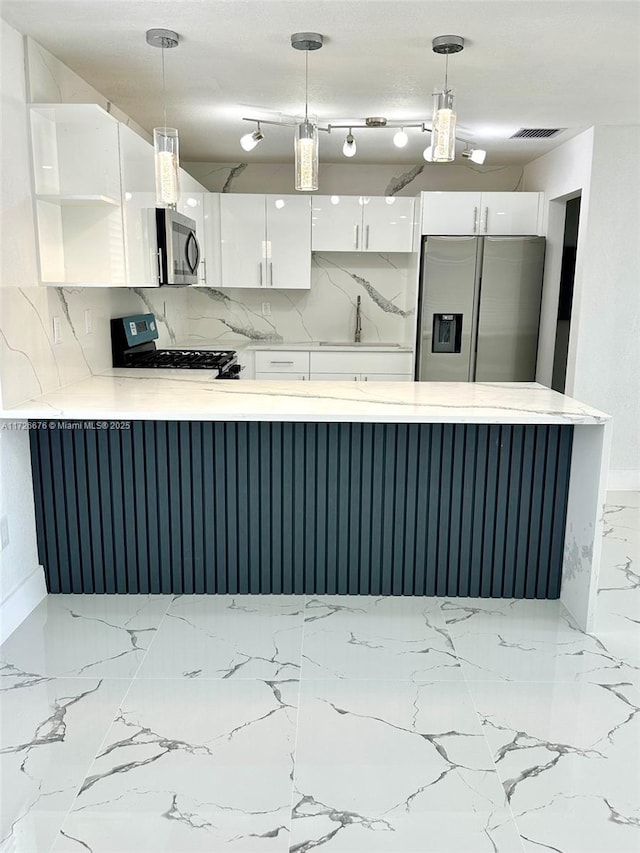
565	297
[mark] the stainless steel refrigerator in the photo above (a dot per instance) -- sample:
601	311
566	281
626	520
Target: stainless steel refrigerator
479	308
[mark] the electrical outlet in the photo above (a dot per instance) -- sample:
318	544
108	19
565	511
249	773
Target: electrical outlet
266	309
88	321
4	532
57	330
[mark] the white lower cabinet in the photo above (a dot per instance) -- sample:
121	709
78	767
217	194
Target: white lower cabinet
334	366
361	377
361	366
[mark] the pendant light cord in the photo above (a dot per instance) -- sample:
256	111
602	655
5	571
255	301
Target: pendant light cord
306	83
164	94
446	72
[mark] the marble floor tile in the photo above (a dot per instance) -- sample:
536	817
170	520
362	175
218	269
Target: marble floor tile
191	766
528	640
378	761
50	731
569	761
371	637
225	636
85	635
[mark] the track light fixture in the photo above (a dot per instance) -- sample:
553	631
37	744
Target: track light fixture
400	138
476	155
349	147
250	140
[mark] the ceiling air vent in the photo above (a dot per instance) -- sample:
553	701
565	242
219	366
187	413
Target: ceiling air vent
537	132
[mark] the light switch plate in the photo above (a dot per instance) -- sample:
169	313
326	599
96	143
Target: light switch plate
266	309
57	330
88	322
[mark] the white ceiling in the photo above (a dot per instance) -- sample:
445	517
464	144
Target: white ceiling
547	63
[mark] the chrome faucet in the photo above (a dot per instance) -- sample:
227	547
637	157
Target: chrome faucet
358	332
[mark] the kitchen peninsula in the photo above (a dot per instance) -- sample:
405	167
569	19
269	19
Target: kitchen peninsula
152	483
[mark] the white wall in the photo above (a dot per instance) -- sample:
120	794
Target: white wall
604	348
21	577
355	179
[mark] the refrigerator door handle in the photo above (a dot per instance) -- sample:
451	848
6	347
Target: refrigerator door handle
486	219
475	220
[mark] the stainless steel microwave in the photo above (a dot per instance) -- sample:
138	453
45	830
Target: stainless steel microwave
178	251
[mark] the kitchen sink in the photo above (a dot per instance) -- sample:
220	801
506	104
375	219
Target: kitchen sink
365	344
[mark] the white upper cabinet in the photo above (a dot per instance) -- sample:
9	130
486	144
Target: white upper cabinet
76	173
362	224
94	186
265	241
496	213
138	199
387	223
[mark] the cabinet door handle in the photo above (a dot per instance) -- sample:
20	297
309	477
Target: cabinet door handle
355	378
303	378
280	362
356	235
203	264
158	260
475	220
260	269
366	378
486	219
366	239
270	274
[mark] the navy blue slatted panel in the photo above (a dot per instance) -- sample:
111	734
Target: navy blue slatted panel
71	505
513	510
129	511
559	511
299	509
466	518
197	507
212	540
318	508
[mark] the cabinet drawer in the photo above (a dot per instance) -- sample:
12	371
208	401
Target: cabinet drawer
361	362
282	361
282	377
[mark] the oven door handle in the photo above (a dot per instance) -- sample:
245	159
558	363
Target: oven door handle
192	246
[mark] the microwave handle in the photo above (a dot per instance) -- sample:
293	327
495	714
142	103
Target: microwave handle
192	241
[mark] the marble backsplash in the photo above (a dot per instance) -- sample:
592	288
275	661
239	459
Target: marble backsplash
32	364
325	312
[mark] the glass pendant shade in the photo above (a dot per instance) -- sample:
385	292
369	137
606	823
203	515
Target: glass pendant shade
306	153
167	162
443	130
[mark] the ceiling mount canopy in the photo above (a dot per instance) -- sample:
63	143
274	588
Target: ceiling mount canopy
442	126
447	44
307	41
157	37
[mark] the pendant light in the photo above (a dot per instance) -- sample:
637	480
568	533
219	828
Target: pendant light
165	139
443	128
306	135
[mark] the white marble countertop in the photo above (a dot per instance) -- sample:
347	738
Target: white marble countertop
125	394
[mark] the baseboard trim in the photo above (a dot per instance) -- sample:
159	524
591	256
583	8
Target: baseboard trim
625	480
19	603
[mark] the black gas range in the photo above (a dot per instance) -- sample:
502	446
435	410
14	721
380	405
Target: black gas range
133	344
